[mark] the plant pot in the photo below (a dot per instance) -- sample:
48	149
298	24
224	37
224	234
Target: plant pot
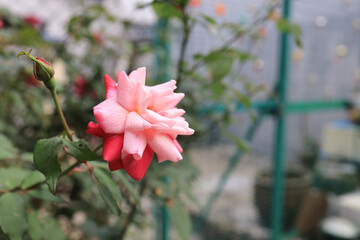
296	186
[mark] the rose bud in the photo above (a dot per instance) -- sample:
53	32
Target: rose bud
42	70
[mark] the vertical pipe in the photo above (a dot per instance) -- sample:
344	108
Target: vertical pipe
280	134
162	71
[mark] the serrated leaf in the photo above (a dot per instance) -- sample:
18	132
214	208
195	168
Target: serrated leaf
46	160
124	180
7	149
109	182
13	217
180	218
80	150
42	227
33	178
107	195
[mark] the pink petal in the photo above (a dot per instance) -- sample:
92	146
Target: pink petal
112	147
164	147
126	92
153	117
163	86
143	98
172	113
167	102
135	122
95	130
139	75
134	144
178	146
111	116
137	168
110	87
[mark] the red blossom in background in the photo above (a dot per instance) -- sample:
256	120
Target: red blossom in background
98	38
1	24
80	85
33	21
31	81
136	121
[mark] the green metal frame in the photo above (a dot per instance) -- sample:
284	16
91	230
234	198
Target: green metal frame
279	108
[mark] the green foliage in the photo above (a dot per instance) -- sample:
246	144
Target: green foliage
108	189
12	217
7	149
80	150
179	217
286	26
41	227
46	160
166	10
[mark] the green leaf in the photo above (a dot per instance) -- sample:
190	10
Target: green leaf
106	190
124	180
219	63
7	149
166	10
46	160
109	182
243	145
285	26
12	177
44	194
80	150
209	19
32	179
180	218
13	217
42	227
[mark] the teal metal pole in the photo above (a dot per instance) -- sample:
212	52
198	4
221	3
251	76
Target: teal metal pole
225	175
162	70
280	134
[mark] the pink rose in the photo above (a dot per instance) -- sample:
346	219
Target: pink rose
136	120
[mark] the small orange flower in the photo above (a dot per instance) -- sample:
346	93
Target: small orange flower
220	9
195	3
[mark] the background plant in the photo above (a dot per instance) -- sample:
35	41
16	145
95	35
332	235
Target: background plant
28	115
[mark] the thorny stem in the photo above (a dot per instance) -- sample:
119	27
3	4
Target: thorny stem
131	215
63	120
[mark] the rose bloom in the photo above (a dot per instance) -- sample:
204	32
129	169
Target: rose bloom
136	121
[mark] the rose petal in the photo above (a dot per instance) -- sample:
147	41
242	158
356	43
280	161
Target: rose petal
143	100
153	118
172	113
134	144
94	129
135	122
126	90
164	147
139	75
115	165
111	116
112	147
137	168
110	87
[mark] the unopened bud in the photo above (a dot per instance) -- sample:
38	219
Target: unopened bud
42	70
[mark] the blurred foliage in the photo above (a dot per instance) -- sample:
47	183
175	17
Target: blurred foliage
90	201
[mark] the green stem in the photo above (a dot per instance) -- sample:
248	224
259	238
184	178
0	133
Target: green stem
63	120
